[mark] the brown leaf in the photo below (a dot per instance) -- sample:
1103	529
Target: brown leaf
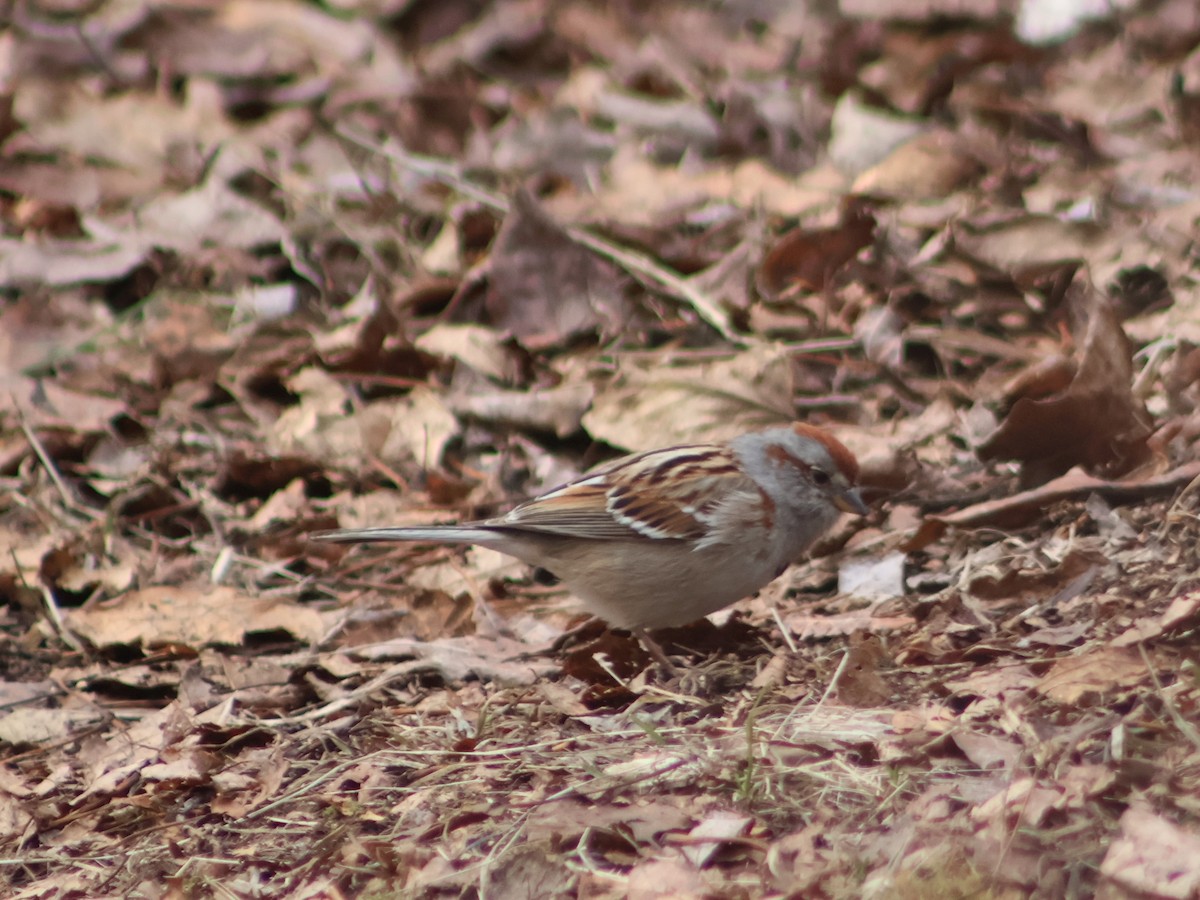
30	725
861	684
161	615
987	750
543	287
929	166
1183	613
808	258
995	681
557	410
1084	679
455	659
665	879
644	408
1096	422
1075	485
1028	247
1152	856
529	872
807	626
708	836
45	404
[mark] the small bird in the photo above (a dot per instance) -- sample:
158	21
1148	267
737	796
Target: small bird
662	538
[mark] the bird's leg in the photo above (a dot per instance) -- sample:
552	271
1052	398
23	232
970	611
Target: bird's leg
653	648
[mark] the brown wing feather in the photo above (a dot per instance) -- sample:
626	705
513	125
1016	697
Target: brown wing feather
665	494
578	509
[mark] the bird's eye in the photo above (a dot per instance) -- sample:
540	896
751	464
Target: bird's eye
821	477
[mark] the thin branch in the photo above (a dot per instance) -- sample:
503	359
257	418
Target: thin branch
631	260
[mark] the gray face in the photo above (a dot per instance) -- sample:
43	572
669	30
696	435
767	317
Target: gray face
804	459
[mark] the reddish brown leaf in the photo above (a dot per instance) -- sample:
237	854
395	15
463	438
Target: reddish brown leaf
808	258
543	287
1096	422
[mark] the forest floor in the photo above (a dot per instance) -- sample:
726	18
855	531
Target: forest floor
269	268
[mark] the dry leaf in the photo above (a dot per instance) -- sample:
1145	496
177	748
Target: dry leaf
543	287
643	409
1153	856
1093	674
1096	422
177	615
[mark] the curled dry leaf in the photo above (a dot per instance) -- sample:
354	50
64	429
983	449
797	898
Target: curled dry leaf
543	287
1028	247
1095	422
641	409
65	262
558	410
711	833
1152	856
808	258
929	166
1020	508
863	135
1182	614
1084	679
23	726
481	348
170	615
456	659
879	576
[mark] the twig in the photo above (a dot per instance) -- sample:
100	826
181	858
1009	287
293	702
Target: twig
1185	727
833	682
47	463
631	260
56	619
1188	490
784	630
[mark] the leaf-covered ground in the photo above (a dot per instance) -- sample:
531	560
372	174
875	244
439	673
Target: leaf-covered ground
272	267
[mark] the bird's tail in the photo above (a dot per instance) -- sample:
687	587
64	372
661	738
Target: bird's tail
436	534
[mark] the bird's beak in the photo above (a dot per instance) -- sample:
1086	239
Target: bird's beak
851	501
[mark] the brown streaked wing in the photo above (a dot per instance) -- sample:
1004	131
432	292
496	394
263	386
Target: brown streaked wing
666	494
578	509
672	494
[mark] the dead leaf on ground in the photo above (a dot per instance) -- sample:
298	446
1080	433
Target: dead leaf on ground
929	166
664	879
651	407
1182	614
707	837
557	410
807	259
1096	422
862	135
810	626
192	617
44	404
1153	856
24	726
862	680
646	819
1084	679
988	751
1076	484
1029	246
873	577
483	349
543	287
528	871
455	659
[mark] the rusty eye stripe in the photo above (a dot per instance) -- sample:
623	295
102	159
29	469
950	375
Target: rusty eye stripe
842	458
781	456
